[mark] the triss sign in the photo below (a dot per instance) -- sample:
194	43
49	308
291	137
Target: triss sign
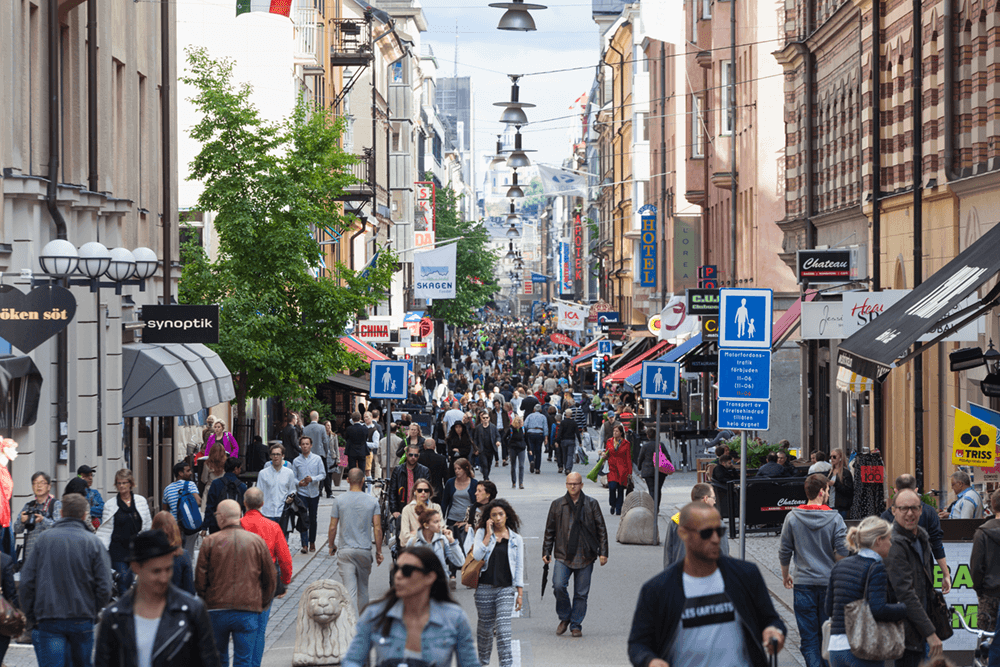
974	442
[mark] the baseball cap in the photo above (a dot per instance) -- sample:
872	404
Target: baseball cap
85	470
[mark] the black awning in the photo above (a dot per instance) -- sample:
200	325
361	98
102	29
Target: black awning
22	387
350	383
878	347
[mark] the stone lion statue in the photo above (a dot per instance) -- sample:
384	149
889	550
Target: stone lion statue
325	625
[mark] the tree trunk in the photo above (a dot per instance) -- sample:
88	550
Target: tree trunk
241	412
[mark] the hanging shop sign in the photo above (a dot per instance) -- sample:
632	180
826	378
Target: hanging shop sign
702	301
424	227
180	324
647	251
28	320
824	265
566	271
578	251
822	320
373	331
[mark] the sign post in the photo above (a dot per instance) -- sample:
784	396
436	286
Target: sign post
660	381
389	380
745	321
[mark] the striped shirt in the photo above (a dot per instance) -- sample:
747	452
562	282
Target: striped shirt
173	492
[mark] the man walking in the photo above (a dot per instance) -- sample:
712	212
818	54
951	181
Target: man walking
909	570
308	469
236	578
316	432
576	536
357	513
171	495
277	483
356	442
815	535
536	426
437	465
403	478
707	609
930	522
673	545
65	582
228	486
256	523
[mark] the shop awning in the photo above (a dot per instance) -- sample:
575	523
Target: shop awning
788	322
172	380
584	358
881	345
23	383
587	351
362	348
359	385
630	351
675	354
848	381
636	364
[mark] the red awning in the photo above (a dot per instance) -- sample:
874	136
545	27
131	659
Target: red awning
787	322
622	373
586	351
362	348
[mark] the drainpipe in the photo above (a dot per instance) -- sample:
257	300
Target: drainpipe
918	230
93	183
949	92
165	144
62	339
663	170
878	418
732	156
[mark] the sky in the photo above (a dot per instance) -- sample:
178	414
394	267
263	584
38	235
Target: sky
566	37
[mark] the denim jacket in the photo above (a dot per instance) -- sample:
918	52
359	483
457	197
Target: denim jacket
515	553
447	633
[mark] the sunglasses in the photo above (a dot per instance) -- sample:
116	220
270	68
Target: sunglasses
706	533
408	570
421	490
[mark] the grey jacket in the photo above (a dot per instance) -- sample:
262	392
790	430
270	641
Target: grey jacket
814	536
317	433
984	564
67	575
910	578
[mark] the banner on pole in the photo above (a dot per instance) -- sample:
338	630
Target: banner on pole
435	273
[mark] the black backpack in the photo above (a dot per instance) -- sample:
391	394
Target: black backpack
232	491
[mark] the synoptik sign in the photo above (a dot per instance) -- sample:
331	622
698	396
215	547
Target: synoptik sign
180	324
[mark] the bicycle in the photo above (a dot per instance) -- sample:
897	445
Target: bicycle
981	655
390	524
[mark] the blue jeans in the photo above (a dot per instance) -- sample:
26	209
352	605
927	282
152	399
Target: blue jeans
517	457
125	577
242	625
309	535
64	642
567	452
581	589
258	648
810	605
616	498
848	659
535	441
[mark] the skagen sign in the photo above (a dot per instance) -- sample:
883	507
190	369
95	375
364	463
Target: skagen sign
180	324
815	264
28	320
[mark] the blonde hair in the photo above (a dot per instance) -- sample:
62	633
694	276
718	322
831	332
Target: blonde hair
125	475
865	534
517	422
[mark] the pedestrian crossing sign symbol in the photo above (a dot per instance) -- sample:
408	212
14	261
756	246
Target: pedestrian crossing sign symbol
389	380
660	380
974	442
745	318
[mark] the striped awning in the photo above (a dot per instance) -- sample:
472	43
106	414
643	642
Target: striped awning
849	381
362	348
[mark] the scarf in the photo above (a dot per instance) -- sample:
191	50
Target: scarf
576	527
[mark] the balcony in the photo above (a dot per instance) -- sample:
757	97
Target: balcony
352	43
364	171
307	36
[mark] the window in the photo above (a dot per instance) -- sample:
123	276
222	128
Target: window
725	113
697	127
641	62
706	9
641	129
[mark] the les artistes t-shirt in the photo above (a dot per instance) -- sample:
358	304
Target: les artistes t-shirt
709	633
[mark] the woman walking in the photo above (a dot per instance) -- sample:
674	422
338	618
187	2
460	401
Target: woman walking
459	495
439	540
517	445
501	581
408	522
648	462
416	620
841	483
619	458
125	516
220	434
459	442
860	577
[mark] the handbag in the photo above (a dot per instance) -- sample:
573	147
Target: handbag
824	647
12	619
470	571
664	464
871	639
940	616
279	587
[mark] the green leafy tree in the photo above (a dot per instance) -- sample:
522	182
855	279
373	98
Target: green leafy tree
476	270
269	184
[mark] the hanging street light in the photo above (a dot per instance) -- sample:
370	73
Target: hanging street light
510	250
516	17
515	190
498	159
518	158
513	113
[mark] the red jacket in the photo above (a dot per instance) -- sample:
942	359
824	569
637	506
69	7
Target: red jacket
619	461
271	533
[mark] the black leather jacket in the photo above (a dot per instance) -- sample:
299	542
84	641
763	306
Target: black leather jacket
184	636
399	492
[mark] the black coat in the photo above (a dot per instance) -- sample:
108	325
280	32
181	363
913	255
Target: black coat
911	581
290	439
437	467
356	439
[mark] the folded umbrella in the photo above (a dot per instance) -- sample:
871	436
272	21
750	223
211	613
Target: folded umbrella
545	578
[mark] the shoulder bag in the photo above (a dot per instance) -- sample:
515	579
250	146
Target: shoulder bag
940	616
12	620
871	639
470	571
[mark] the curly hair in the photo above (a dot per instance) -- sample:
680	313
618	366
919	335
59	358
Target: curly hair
513	522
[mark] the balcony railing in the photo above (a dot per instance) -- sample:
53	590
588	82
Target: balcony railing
364	171
352	42
307	36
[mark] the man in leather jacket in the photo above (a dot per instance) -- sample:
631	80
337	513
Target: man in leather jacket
162	605
404	477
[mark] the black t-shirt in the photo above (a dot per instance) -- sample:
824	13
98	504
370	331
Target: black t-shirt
497	571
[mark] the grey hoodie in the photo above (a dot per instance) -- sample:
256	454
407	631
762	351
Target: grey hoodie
814	536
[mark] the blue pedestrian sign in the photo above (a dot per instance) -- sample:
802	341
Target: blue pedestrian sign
745	318
660	380
595	364
744	414
605	347
389	380
745	374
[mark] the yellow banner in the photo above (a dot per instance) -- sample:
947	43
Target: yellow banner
974	442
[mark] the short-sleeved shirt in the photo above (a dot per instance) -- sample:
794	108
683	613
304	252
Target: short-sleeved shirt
173	492
708	634
354	511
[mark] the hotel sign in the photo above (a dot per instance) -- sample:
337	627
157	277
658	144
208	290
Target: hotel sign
647	250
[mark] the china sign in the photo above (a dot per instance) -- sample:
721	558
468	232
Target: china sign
647	251
424	226
373	331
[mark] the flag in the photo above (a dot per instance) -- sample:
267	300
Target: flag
283	7
558	181
674	319
435	273
571	318
974	442
368	267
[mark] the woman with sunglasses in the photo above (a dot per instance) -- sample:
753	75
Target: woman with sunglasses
501	581
417	622
438	539
408	522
